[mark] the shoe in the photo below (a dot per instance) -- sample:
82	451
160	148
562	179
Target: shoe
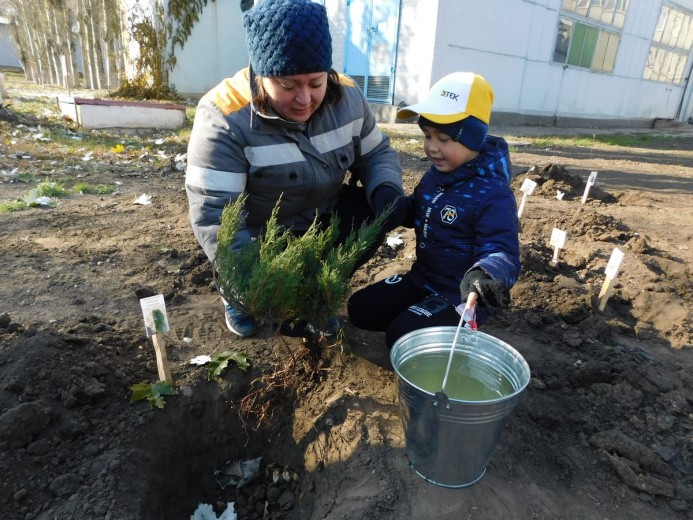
332	328
303	329
239	322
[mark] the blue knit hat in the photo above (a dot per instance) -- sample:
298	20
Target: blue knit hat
288	37
471	131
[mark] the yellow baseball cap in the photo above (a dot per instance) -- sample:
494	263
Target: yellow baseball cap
454	98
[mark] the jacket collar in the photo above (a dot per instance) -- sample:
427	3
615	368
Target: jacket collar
492	162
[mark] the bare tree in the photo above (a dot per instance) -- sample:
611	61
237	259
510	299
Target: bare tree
57	38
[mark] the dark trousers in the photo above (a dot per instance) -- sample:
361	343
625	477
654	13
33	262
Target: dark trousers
396	305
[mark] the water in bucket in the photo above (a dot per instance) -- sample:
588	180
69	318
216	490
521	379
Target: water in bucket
468	380
450	437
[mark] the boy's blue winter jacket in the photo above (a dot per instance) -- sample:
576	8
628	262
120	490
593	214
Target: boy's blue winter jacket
464	219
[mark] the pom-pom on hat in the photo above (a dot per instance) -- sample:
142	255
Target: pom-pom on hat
288	37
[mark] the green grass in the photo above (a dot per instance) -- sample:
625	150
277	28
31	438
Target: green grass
86	189
413	143
51	189
12	206
27	177
54	190
636	140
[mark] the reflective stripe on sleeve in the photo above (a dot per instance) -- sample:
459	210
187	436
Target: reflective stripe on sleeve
273	154
372	140
208	179
337	138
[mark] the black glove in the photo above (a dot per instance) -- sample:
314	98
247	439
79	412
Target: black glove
388	198
492	293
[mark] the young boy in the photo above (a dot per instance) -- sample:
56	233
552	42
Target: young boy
464	215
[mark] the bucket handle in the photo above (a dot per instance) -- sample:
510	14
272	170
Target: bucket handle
468	318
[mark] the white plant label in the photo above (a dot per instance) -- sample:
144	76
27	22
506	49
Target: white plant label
614	265
591	180
154	313
528	186
558	238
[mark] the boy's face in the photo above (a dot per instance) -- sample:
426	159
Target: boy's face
445	153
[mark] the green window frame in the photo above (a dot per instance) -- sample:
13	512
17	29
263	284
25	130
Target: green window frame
589	32
584	45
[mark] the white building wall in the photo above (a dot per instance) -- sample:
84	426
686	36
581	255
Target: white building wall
415	50
8	58
336	13
511	43
217	47
215	50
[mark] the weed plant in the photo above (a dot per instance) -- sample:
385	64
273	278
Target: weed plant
53	190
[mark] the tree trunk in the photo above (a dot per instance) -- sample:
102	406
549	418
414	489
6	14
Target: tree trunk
112	25
94	42
70	21
86	46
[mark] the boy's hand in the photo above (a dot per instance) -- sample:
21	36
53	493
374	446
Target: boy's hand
492	293
386	197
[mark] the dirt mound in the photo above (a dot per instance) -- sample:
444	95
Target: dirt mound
554	180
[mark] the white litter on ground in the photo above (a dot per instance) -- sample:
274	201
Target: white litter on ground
206	512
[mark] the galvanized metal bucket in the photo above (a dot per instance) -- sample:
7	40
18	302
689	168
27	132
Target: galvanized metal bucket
449	441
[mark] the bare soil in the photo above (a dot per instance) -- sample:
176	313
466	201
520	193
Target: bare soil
604	430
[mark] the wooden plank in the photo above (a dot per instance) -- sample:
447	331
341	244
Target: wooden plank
607	289
161	358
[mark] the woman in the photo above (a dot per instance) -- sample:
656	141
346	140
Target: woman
288	127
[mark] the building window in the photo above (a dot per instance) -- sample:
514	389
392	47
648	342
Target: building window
671	44
589	32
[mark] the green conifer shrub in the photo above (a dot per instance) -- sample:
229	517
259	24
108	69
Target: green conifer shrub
281	276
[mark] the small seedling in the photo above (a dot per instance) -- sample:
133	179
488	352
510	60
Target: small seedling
220	362
153	392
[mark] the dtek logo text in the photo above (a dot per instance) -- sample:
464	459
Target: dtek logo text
448	214
451	95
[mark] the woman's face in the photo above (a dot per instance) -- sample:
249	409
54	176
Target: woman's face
296	98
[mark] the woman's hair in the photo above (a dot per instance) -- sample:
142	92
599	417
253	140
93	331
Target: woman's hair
333	95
